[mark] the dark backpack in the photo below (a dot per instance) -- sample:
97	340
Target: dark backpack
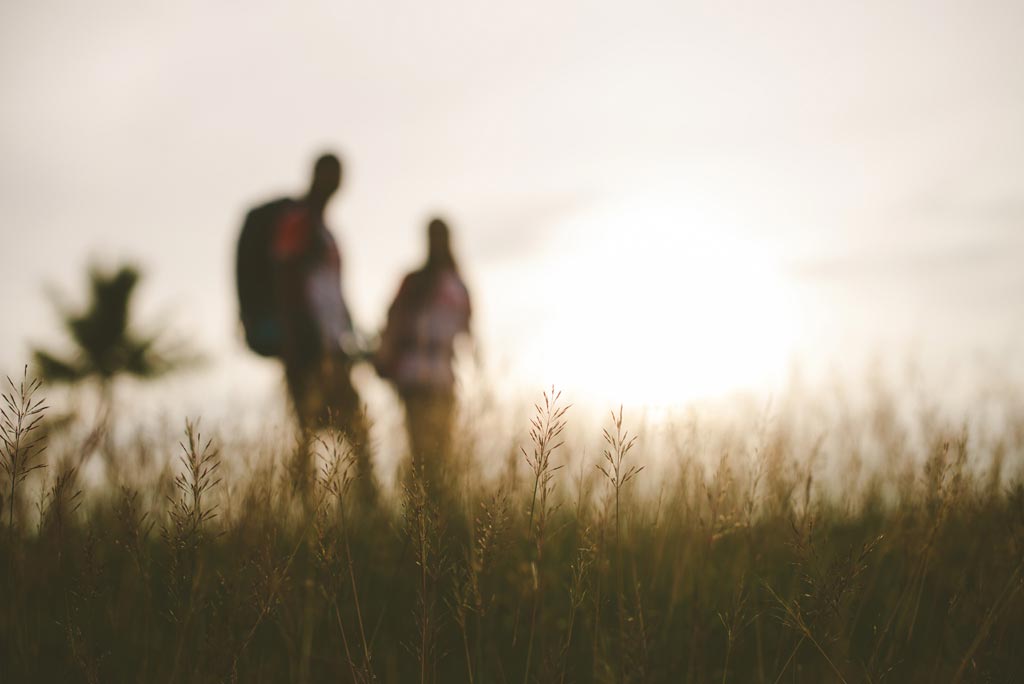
255	273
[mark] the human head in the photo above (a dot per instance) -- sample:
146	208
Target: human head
326	179
439	252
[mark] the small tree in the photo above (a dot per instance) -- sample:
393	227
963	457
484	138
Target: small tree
106	343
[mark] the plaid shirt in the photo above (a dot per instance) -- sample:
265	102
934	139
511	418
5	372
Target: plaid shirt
309	297
418	343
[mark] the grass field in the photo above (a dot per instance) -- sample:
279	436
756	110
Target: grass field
790	545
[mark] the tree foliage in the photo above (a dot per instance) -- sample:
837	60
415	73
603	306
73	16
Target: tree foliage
106	342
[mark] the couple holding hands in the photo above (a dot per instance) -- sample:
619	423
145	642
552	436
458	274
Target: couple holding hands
292	308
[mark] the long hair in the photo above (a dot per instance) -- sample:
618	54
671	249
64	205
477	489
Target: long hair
439	254
421	283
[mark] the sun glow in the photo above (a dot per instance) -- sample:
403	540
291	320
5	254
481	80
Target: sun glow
655	300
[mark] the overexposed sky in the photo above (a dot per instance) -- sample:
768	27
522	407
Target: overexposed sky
651	200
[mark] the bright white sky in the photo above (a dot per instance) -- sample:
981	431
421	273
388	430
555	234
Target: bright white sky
652	201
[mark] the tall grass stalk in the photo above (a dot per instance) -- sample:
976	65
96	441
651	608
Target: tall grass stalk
546	429
618	473
340	470
23	444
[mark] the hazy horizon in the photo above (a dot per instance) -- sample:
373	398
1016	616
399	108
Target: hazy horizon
651	204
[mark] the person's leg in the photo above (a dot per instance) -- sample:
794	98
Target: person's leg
415	421
302	381
420	471
442	416
428	421
444	466
311	387
297	378
348	415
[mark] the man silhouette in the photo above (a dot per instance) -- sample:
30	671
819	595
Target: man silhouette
314	329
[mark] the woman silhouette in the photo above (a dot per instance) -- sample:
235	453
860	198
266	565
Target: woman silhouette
430	310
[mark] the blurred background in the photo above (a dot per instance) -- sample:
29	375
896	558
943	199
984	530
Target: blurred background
653	203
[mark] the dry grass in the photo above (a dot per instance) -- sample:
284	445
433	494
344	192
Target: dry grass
803	544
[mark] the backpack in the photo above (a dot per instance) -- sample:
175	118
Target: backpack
255	271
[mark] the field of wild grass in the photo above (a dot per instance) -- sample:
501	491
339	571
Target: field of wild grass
810	541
